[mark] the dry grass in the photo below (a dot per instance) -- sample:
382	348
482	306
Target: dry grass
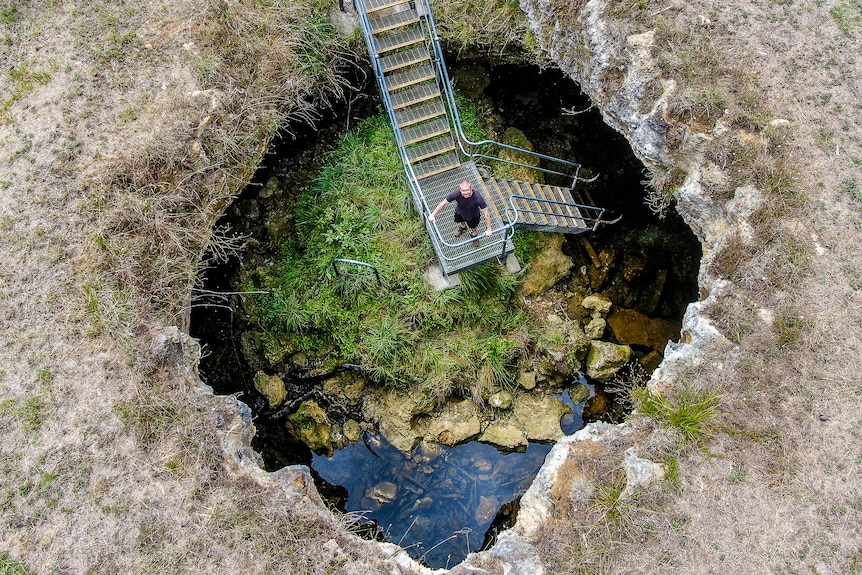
124	132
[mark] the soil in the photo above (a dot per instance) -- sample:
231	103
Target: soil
93	483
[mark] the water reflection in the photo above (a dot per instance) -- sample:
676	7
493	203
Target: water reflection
438	502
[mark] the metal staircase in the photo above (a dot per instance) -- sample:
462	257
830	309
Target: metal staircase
414	84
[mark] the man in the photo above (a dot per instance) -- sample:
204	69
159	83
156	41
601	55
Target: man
469	204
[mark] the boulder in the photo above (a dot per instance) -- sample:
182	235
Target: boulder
501	400
595	329
578	393
311	425
540	415
597	302
634	328
605	359
527	379
547	267
383	492
506	432
271	387
394	414
457	422
351	430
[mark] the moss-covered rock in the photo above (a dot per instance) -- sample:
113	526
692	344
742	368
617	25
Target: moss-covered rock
311	425
605	359
271	387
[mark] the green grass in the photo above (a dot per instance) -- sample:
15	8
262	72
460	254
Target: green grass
693	413
404	332
9	567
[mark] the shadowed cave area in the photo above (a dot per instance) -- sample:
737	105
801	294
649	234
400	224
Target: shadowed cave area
439	502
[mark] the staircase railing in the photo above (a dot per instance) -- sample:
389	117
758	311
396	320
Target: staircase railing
504	233
470	148
586	212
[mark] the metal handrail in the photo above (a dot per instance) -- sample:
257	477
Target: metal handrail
356	263
596	220
506	231
412	178
462	138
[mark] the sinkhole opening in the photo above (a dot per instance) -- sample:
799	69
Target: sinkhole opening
261	314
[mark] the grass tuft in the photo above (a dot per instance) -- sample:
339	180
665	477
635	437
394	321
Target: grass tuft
691	412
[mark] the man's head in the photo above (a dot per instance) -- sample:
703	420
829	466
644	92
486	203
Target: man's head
466	189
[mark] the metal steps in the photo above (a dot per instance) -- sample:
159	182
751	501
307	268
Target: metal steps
407	65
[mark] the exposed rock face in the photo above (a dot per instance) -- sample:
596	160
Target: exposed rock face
605	359
394	413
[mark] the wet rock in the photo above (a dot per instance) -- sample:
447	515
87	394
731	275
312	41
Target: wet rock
394	415
311	425
596	407
488	506
548	267
634	328
595	329
457	422
383	492
578	393
271	387
426	452
651	361
348	385
501	400
540	416
597	302
605	359
516	138
650	294
506	432
575	310
352	430
632	267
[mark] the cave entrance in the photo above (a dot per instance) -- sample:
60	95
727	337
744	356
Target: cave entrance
441	503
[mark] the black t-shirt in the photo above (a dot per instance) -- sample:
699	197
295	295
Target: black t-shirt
467	208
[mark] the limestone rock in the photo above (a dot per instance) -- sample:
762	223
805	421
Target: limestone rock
541	416
634	328
311	425
352	430
639	472
596	328
605	359
487	509
271	387
501	400
394	413
578	393
457	422
383	492
548	267
506	432
527	379
597	302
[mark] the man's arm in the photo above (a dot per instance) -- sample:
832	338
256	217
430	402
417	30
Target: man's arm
487	213
433	215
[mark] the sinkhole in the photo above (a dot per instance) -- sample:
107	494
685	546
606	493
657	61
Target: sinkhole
439	501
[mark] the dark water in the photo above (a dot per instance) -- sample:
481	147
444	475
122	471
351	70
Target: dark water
444	500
